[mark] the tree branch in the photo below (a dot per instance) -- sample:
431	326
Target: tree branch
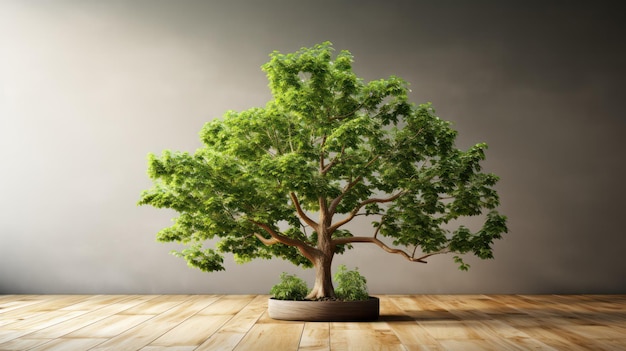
337	200
300	212
362	239
322	166
325	169
333	205
323	213
356	210
290	143
382	220
443	251
372	161
266	241
278	238
334	118
274	139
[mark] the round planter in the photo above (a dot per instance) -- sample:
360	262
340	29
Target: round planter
324	311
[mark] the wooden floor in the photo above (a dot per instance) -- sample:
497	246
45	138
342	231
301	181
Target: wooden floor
240	322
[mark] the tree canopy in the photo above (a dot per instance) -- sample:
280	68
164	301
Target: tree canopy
284	180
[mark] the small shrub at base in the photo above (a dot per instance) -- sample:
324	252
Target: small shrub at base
290	288
351	285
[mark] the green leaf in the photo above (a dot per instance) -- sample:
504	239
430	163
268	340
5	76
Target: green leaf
206	260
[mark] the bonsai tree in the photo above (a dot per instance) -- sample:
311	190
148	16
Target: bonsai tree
287	180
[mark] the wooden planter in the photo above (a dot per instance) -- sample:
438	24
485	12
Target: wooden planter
324	311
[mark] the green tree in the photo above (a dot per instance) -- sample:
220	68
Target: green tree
287	179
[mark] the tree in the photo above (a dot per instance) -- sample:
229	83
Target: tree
287	179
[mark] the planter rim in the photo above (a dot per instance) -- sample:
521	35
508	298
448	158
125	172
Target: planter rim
324	310
339	301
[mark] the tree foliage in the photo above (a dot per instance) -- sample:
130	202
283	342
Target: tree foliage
284	180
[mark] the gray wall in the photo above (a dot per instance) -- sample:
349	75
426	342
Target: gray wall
88	88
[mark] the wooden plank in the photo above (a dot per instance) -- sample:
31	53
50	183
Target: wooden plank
13	302
363	336
498	329
613	345
10	297
110	326
389	310
268	336
42	303
443	330
564	330
508	339
315	337
168	348
98	301
16	318
63	344
227	305
11	335
143	334
423	308
36	312
414	337
42	321
411	335
538	330
477	313
217	311
236	328
479	345
613	304
20	344
193	331
99	312
158	305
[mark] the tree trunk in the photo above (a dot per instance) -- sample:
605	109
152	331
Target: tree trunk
322	257
323	278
